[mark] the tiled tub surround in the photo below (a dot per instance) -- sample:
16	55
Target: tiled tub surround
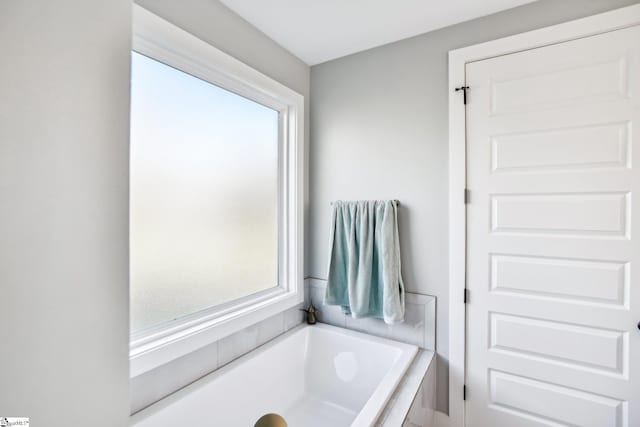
418	327
152	386
314	376
414	400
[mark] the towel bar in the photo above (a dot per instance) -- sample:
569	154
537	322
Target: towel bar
397	202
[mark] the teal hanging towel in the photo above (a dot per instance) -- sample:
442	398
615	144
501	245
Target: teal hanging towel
364	261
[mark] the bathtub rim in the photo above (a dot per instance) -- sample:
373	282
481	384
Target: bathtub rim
367	416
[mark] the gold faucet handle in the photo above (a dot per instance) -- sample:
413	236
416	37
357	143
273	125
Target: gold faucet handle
271	420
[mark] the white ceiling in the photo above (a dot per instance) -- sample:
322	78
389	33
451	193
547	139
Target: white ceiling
320	30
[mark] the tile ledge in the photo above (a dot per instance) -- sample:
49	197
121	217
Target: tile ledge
411	297
397	409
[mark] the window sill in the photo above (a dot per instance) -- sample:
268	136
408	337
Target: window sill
156	347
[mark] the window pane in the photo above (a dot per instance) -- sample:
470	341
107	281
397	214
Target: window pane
204	174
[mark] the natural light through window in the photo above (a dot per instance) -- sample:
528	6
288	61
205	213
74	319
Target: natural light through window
204	194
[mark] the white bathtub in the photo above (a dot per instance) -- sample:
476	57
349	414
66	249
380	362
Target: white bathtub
313	376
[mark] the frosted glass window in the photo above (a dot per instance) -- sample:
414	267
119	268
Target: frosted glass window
204	194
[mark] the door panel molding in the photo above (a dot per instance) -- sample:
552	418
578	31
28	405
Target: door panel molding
615	155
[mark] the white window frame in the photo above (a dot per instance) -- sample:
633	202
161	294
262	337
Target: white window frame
596	24
158	39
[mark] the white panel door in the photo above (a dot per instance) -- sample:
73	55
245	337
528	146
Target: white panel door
552	227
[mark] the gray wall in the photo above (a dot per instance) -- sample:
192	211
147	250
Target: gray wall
64	156
64	149
379	130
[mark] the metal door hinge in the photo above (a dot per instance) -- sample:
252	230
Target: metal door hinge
466	295
467	196
464	90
